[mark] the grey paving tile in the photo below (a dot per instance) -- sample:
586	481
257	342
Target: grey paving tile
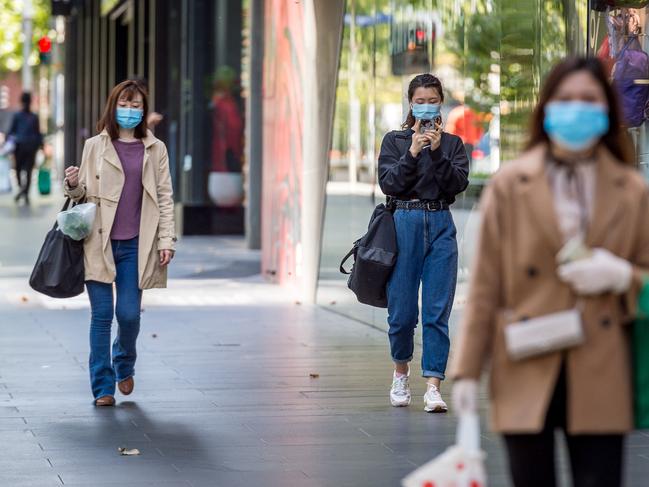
202	478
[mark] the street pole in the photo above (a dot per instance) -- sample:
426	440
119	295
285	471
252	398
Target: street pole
27	44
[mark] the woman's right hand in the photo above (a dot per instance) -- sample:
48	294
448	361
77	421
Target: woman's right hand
72	176
419	140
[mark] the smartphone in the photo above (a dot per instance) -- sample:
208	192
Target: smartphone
430	124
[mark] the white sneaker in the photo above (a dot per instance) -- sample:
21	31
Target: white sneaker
433	400
400	392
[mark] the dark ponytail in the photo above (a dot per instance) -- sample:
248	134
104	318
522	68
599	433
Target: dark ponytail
421	81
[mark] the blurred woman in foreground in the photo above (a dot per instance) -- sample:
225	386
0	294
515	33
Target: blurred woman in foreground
563	247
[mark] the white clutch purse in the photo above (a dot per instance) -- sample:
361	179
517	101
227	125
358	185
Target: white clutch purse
545	334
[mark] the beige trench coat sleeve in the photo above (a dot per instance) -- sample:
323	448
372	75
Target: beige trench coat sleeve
78	192
166	227
640	259
478	322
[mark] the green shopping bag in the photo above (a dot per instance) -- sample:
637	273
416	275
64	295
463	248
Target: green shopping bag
640	343
44	180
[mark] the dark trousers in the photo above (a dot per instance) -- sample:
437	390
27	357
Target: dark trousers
595	460
25	161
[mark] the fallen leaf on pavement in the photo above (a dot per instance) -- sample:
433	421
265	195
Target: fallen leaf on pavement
314	376
128	451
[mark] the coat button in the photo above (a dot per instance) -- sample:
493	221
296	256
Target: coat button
532	272
97	176
100	231
98	204
523	178
606	322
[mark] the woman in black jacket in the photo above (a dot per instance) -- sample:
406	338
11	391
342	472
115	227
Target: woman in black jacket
422	168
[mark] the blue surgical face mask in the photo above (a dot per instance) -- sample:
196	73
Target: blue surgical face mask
426	111
575	125
128	118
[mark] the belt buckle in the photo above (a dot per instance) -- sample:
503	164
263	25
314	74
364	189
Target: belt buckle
429	207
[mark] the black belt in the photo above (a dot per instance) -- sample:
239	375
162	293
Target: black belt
421	205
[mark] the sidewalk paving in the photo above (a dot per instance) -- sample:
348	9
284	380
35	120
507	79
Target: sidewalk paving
236	385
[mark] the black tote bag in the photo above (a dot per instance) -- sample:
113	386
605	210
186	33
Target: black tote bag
59	271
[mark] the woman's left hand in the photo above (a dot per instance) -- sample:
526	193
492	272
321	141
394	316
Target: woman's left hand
166	256
435	137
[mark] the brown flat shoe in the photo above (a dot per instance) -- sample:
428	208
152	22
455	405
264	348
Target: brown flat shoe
105	401
126	386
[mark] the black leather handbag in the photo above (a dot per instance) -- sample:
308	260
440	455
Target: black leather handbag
375	255
59	270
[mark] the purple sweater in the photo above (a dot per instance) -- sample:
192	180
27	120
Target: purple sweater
127	218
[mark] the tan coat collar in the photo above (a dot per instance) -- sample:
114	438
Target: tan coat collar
609	197
148	141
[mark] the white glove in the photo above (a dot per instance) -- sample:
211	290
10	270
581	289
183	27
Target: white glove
465	396
600	273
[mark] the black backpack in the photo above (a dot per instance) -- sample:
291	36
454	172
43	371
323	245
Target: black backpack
375	255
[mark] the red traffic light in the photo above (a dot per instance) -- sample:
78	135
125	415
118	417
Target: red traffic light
44	45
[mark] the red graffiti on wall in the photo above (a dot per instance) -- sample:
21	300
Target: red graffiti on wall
282	139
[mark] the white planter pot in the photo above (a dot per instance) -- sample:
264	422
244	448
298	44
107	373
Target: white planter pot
225	188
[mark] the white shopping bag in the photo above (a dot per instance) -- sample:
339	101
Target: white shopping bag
77	222
5	177
461	465
8	147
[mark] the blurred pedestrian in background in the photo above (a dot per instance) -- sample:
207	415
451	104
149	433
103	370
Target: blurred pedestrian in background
565	229
422	168
464	122
125	171
26	134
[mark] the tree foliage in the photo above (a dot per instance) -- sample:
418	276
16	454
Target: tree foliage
11	34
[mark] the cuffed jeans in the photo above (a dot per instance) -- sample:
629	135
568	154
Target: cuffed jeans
103	371
427	255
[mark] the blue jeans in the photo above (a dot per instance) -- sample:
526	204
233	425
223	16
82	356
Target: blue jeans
427	255
103	371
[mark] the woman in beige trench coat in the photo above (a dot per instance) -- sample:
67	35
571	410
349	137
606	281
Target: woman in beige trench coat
125	172
575	183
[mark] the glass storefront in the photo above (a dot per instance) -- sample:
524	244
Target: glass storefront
491	56
190	54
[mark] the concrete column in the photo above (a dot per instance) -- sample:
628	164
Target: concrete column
323	32
254	122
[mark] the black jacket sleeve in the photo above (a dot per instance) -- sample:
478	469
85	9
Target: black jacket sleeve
14	126
397	172
451	171
37	131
